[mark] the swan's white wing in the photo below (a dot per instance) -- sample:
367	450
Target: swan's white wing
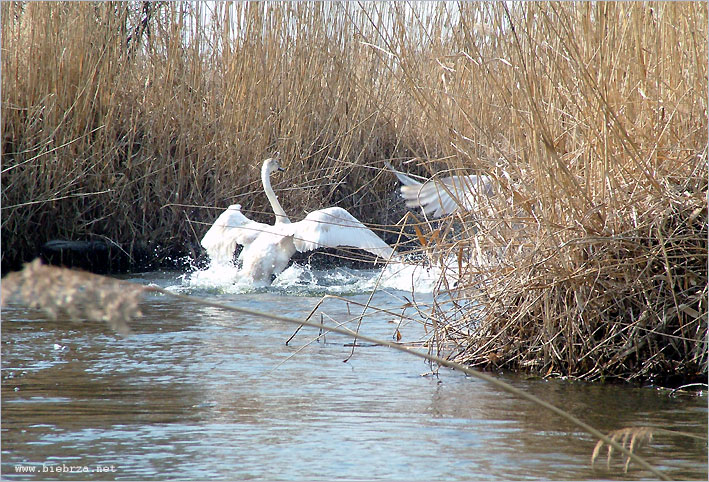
445	196
468	190
403	178
429	196
230	228
333	227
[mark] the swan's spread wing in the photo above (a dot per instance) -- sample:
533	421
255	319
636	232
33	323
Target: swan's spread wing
403	178
230	228
333	227
445	196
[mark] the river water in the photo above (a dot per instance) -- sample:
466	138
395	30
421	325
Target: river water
199	393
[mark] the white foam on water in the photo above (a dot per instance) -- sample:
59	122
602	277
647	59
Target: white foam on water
296	275
302	279
219	277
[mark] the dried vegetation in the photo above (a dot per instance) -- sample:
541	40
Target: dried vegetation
77	295
591	261
138	122
632	439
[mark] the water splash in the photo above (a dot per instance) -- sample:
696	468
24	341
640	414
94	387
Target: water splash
409	277
303	280
217	278
296	275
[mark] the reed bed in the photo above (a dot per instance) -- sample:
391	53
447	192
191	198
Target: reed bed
591	262
138	122
130	121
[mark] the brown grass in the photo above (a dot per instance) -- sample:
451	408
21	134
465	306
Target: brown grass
592	260
101	139
77	295
593	263
633	438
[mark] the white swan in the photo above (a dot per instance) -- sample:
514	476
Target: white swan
268	249
446	195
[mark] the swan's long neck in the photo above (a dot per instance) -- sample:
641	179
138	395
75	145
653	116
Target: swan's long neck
281	216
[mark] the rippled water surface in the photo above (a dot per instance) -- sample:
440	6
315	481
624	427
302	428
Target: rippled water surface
200	393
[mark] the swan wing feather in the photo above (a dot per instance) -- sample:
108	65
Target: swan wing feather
447	195
230	228
403	178
333	227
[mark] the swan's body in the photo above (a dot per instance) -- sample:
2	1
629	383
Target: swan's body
444	196
268	249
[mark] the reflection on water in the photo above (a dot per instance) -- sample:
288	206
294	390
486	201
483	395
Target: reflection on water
198	393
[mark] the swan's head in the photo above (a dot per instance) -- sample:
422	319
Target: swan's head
271	165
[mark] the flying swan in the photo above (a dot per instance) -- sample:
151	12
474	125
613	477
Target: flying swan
268	248
446	195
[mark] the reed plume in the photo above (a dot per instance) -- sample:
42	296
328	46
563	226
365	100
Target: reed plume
75	295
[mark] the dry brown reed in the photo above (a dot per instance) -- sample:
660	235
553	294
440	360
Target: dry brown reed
76	295
592	118
592	260
121	120
631	438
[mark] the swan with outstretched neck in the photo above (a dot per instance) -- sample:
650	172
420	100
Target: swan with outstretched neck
269	248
